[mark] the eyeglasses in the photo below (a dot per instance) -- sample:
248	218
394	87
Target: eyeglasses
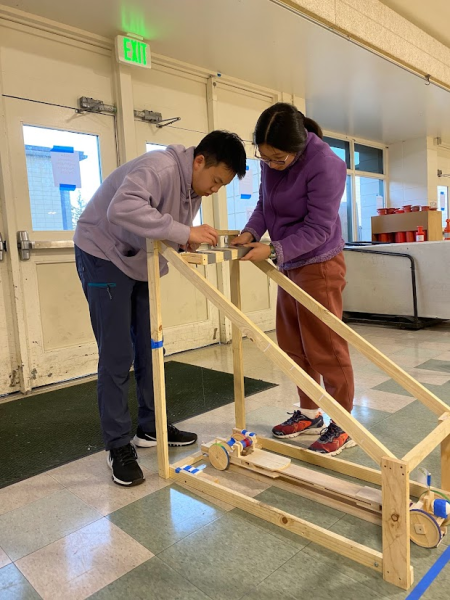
269	160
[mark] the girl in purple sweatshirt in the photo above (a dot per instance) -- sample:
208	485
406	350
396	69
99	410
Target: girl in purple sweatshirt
302	183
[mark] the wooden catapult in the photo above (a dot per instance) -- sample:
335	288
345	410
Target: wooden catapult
402	520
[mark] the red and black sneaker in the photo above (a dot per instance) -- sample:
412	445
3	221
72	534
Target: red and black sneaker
298	424
332	440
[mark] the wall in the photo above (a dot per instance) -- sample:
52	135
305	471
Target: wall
408	172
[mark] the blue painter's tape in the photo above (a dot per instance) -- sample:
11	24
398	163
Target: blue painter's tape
440	508
62	149
429	577
155	345
246	196
67	187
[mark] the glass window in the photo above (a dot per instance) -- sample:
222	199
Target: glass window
198	219
345	211
368	159
63	171
369	196
243	195
442	201
339	147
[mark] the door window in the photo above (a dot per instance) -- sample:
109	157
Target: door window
63	171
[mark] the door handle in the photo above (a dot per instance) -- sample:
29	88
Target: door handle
25	245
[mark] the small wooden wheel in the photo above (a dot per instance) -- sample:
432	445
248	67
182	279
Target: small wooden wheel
425	530
218	457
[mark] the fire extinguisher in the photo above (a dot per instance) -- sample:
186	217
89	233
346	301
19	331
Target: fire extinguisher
420	234
447	230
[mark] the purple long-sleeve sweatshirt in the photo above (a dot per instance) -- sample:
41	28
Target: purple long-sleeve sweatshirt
148	197
299	206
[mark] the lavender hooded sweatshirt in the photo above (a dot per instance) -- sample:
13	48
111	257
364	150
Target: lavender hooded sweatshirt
148	197
299	206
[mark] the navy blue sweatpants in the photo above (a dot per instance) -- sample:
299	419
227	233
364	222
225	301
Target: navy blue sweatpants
120	317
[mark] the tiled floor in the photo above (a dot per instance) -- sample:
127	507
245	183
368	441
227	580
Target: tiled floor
72	534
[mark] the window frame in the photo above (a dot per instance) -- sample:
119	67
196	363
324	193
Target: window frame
353	173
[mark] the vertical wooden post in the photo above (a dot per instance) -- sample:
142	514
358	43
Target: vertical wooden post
396	523
445	464
238	365
156	333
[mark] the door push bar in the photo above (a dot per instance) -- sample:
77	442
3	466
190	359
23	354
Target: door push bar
25	245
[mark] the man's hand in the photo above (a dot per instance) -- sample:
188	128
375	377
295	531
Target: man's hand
192	247
258	253
241	240
203	234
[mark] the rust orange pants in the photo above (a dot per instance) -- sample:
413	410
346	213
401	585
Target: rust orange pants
308	341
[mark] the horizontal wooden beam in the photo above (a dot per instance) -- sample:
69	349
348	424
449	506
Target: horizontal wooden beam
347	333
332	541
333	463
417	454
369	444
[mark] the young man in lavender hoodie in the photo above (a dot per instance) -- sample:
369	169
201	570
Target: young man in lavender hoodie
302	182
156	196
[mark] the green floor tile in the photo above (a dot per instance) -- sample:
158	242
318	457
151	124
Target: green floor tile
295	505
165	517
153	580
14	586
304	578
435	365
228	557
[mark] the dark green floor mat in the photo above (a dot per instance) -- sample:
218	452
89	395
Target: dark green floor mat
48	430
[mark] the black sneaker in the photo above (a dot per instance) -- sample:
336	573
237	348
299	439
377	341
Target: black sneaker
145	439
123	463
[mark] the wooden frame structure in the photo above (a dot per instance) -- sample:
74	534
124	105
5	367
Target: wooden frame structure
392	512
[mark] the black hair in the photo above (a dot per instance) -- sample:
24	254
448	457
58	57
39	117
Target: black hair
284	127
223	147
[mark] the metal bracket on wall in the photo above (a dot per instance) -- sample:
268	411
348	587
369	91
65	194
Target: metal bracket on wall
154	118
441	174
86	104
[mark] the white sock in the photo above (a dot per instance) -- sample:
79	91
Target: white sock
311	413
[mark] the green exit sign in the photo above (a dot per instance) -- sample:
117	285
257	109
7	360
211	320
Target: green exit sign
132	51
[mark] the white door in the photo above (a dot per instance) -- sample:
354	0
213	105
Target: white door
189	320
50	149
238	111
9	361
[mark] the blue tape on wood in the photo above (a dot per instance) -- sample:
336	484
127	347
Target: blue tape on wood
155	345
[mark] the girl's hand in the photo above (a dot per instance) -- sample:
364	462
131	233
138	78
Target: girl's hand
191	247
241	240
258	253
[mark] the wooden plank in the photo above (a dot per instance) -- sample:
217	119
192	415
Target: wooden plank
445	465
396	523
233	232
216	255
375	449
332	541
415	456
195	258
236	343
188	460
263	460
159	384
333	463
326	498
378	358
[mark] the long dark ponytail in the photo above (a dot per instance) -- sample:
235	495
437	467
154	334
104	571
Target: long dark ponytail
284	127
